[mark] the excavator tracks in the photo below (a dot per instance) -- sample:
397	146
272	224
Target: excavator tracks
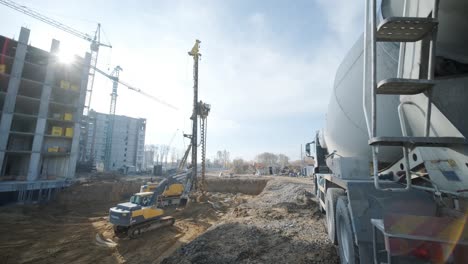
138	229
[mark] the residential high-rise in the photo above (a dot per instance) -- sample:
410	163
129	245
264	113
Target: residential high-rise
148	160
128	142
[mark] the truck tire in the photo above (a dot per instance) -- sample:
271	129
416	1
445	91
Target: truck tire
330	207
349	253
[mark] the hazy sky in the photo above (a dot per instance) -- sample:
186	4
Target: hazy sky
267	67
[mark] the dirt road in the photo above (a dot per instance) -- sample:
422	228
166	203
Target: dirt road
280	224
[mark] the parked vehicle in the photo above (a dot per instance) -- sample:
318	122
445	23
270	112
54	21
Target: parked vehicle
391	165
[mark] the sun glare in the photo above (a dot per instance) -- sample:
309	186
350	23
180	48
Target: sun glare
65	57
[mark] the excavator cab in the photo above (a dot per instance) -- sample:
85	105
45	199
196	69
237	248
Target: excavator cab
142	198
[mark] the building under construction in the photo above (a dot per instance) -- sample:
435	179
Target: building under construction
127	142
41	103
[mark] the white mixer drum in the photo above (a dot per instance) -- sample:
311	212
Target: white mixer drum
346	130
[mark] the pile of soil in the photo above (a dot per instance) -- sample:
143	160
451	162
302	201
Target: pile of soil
281	225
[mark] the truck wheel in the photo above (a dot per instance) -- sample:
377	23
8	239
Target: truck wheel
330	208
349	253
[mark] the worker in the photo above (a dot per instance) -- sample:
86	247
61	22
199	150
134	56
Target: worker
145	201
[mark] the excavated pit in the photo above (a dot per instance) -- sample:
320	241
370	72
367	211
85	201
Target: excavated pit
75	227
244	185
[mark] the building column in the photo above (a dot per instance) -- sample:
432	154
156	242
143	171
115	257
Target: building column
35	161
75	147
13	86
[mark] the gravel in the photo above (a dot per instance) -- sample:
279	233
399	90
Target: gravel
282	224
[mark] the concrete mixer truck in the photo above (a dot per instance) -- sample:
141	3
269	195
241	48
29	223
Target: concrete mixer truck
391	164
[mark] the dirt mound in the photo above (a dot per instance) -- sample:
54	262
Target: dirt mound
281	225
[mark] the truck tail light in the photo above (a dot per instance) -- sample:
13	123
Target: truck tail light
429	251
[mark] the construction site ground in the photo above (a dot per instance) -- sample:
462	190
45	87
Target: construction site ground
245	219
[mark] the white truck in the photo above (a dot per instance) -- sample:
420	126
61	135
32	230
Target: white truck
391	165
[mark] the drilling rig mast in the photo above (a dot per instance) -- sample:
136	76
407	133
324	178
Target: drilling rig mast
196	56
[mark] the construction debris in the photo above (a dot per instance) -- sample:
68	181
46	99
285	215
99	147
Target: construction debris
281	225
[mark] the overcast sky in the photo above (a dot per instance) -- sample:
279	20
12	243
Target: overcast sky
267	67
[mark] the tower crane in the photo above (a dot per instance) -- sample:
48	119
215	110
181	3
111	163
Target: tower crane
94	47
168	147
94	40
114	76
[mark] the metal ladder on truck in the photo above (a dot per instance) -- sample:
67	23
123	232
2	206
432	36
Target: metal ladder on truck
403	30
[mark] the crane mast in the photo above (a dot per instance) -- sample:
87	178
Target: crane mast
95	41
114	76
95	44
168	147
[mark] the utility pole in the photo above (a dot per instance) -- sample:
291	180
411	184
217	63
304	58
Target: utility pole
196	55
302	162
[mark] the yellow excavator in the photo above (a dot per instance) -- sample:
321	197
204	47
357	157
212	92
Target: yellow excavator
170	196
144	210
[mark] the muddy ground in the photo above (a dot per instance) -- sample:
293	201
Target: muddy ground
274	220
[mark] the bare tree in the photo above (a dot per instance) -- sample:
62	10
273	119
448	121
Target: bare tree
218	160
267	158
222	159
239	166
283	160
174	156
226	158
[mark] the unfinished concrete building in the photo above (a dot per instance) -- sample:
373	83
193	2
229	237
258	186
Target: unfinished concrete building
41	103
128	141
